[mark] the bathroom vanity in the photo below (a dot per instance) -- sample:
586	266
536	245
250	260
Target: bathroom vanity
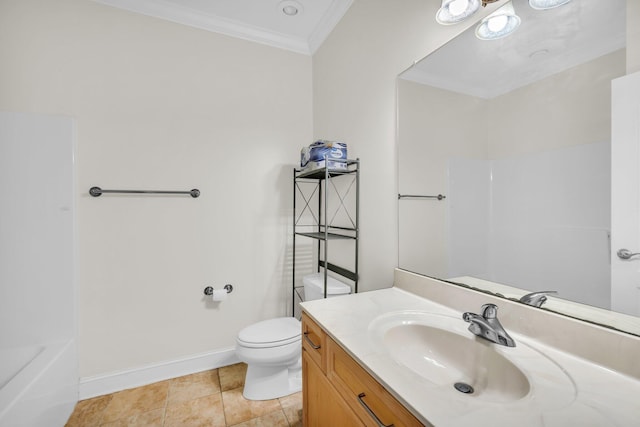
337	390
404	356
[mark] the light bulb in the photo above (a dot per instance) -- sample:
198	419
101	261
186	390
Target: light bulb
547	4
497	23
454	11
457	7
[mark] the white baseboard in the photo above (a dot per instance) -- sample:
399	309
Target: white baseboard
109	383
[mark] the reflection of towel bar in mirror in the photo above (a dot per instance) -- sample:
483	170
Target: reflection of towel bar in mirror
413	196
626	254
97	191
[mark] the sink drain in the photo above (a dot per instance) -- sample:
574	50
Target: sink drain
463	388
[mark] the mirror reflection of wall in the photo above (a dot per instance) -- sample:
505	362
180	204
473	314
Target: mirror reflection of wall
527	178
526	173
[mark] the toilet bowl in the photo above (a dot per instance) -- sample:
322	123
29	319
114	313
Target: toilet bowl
272	350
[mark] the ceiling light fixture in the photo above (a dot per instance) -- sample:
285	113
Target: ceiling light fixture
500	23
290	10
454	11
290	7
546	4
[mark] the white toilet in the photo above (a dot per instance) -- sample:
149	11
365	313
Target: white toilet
314	287
272	349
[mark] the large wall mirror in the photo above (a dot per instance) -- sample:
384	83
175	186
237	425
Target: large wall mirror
515	133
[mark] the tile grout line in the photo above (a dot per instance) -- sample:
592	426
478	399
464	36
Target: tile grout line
224	412
283	413
104	410
166	403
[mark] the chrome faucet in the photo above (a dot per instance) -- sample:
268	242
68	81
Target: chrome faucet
536	299
488	326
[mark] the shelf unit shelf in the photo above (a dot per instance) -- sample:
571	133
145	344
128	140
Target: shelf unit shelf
322	183
323	236
324	173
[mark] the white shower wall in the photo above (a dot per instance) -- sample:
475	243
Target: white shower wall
38	355
37	300
548	215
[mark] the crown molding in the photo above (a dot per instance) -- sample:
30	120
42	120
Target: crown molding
193	18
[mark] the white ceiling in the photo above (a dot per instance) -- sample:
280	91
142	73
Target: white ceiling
546	43
261	21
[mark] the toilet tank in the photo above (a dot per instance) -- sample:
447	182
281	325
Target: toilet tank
314	287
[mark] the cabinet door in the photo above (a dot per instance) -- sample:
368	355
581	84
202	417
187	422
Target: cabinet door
322	405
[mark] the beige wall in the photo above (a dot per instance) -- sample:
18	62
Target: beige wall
569	108
434	126
354	91
164	106
354	84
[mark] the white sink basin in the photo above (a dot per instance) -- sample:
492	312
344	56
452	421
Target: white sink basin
444	354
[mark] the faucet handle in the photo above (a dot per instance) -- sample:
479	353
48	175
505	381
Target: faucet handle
489	311
536	299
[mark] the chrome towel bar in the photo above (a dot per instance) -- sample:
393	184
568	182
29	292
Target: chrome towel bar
97	191
413	196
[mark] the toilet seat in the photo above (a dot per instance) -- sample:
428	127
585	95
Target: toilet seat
270	333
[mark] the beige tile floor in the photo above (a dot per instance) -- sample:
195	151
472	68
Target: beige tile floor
209	398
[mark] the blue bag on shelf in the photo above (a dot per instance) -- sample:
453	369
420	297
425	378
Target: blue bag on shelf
313	156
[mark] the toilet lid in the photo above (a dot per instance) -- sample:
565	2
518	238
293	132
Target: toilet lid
278	331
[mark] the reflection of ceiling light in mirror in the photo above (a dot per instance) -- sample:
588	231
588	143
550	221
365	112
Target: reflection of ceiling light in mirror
499	24
547	4
458	7
454	11
290	7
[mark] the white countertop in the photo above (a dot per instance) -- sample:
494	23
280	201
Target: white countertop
599	397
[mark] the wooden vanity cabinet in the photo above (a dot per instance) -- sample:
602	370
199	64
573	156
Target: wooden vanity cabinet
322	406
337	391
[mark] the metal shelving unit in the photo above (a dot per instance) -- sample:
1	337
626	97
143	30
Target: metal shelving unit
321	185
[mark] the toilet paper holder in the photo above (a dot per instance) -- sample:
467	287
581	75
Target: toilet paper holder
209	289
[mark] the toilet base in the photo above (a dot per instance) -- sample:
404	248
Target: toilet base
271	382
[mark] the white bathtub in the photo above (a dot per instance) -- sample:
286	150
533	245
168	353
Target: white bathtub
39	385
